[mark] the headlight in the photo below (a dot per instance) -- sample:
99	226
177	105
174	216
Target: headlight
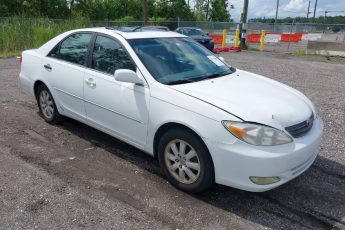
256	134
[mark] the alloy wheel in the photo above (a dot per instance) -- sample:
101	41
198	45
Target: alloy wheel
46	104
182	161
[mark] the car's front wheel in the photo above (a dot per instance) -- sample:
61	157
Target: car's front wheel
185	160
47	105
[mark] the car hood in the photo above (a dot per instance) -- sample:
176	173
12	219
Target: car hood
252	98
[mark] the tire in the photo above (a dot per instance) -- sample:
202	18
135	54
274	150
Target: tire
174	160
47	106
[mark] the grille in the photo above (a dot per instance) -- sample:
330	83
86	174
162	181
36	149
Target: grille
302	128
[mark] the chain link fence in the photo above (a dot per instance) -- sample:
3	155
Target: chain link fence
297	28
22	33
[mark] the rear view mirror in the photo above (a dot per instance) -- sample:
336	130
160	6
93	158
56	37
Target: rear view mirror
127	75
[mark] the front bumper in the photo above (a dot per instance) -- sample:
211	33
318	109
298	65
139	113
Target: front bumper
235	163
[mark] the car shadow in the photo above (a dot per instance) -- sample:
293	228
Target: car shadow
316	199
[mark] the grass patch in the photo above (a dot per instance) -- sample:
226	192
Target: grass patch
244	46
9	54
252	49
18	33
300	52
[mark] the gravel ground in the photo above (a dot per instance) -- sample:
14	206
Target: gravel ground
72	176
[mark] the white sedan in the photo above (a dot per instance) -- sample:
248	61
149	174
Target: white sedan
167	95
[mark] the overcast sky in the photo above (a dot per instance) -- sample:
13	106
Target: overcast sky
293	8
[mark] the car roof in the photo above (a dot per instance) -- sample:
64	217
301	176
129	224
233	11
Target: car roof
130	34
189	27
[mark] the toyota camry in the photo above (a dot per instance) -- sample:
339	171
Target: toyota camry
204	120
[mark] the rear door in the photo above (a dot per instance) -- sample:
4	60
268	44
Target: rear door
64	69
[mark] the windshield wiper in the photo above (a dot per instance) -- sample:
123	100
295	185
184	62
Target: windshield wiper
215	75
201	78
180	81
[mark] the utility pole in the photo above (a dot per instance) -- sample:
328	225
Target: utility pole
314	10
275	21
244	24
207	9
308	11
331	11
324	22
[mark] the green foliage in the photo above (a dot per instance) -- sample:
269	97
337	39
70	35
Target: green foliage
9	54
172	9
201	9
320	20
42	35
300	52
3	10
244	46
126	20
95	9
157	21
18	34
219	12
113	10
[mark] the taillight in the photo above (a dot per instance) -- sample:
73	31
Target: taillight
21	58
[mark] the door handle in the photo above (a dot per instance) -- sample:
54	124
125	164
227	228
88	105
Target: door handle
90	82
48	67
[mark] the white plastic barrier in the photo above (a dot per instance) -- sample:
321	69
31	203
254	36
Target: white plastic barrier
272	38
311	37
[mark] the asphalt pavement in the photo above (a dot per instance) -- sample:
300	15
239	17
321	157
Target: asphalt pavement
73	176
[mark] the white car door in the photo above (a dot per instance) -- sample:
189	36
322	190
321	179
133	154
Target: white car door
119	108
64	69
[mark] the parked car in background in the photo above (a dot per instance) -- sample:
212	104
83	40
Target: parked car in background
198	35
151	28
139	28
165	94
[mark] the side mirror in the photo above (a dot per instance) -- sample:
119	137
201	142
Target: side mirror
127	75
207	34
222	59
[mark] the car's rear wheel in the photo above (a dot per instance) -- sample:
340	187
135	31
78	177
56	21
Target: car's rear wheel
46	105
185	160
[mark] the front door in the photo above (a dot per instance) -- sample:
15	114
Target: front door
119	108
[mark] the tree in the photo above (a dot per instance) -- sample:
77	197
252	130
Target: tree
181	9
219	11
201	9
173	9
3	10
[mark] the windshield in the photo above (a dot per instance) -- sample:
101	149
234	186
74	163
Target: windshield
193	32
178	60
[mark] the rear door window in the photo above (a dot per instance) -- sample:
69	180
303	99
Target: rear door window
73	49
